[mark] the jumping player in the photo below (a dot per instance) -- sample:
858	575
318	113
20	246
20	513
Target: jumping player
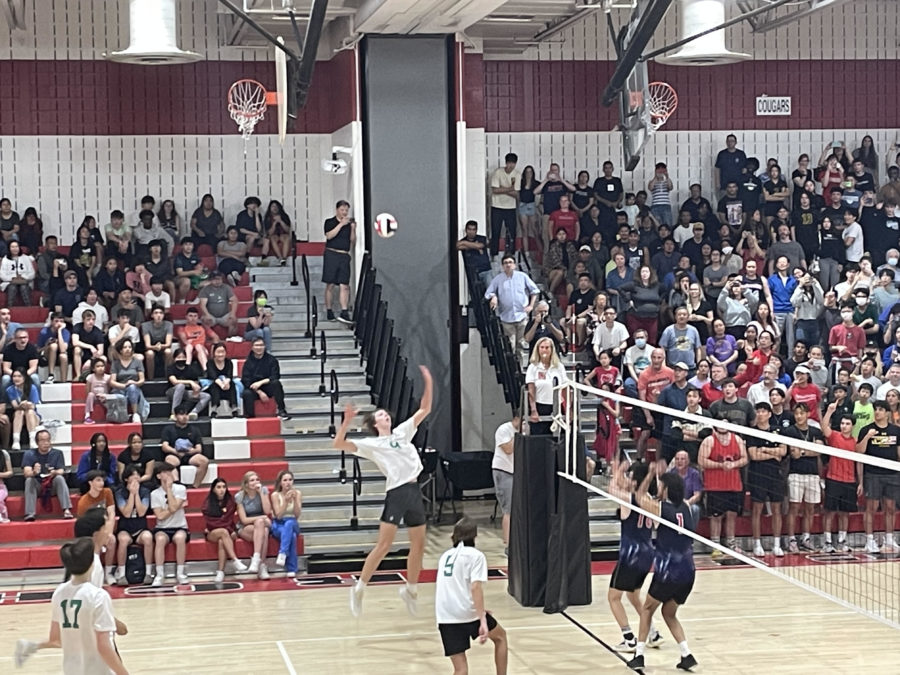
83	622
459	601
397	458
635	554
673	562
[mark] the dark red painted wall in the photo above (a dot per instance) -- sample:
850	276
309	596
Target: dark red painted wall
109	99
565	96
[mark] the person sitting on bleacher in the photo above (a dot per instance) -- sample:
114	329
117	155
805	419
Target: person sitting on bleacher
133	503
253	509
23	398
98	458
17	275
51	265
135	454
120	331
67	298
20	355
53	342
218	304
148	231
223	388
118	238
157	296
159	266
190	272
182	445
231	256
88	344
259	319
184	379
157	334
91	302
109	282
97	389
168	502
207	224
194	337
44	470
8	327
126	302
127	378
219	510
138	280
262	379
542	324
286	504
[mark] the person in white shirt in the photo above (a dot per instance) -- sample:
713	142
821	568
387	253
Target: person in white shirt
82	622
396	457
853	237
505	183
459	601
502	468
92	303
168	502
157	296
610	334
543	369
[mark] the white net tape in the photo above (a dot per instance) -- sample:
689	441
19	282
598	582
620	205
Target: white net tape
247	105
867	583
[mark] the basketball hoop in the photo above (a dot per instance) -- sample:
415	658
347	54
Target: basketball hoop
247	104
661	103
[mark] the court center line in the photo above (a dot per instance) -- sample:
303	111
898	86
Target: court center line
287	660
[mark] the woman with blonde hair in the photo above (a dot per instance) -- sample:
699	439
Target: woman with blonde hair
543	368
286	505
253	509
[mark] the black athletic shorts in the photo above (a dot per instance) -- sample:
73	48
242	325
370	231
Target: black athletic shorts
457	637
336	268
406	504
717	503
133	526
170	532
627	578
765	482
665	591
840	496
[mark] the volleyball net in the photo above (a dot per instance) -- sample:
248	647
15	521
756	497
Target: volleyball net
756	482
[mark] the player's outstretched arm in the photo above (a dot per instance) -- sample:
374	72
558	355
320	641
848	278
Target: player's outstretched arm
340	438
644	500
425	404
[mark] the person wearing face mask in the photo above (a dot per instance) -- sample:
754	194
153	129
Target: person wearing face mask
846	340
892	264
635	361
865	315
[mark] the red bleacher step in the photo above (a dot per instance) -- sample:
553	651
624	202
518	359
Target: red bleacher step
42	530
234	472
16	504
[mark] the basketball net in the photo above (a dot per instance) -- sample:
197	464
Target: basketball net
248	101
866	582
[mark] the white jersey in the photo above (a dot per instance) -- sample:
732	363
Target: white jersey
395	455
82	610
457	569
504	434
97	576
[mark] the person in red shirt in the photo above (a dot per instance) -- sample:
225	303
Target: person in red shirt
711	391
804	391
564	217
722	455
652	380
605	373
758	359
846	340
193	336
843	481
219	511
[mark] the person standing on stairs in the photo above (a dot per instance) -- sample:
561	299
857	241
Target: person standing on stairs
396	457
340	237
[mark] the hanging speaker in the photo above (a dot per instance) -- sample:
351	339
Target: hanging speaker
153	38
707	50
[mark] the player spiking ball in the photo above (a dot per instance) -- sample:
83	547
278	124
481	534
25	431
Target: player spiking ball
392	451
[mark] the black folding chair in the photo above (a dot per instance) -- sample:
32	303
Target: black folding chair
465	471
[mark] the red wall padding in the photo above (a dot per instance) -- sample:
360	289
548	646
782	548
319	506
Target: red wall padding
565	95
101	98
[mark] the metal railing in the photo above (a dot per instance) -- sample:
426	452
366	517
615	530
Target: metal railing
314	315
323	357
305	271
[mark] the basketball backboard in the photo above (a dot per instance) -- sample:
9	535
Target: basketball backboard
634	120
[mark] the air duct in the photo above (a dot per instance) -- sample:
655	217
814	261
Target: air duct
700	16
153	37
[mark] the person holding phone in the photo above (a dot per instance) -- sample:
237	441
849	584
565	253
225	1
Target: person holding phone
340	237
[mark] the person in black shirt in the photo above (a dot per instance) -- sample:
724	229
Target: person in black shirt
189	270
581	301
865	182
832	254
693	203
804	487
184	381
881	229
262	379
66	299
250	226
608	195
474	251
729	163
835	208
541	325
582	195
882	486
590	223
805	227
20	354
182	445
109	281
135	453
340	235
731	208
88	343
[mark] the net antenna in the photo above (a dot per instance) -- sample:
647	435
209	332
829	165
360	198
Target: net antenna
866	583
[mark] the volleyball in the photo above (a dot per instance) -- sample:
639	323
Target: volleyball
385	225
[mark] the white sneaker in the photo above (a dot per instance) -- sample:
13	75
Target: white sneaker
626	646
136	418
183	579
238	567
890	548
254	564
157	580
279	561
872	547
655	640
843	546
777	551
356	598
220	577
16	444
110	579
24	649
758	551
263	572
410	599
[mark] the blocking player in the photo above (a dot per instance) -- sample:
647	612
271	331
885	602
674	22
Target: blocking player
673	578
635	553
397	458
82	623
459	601
843	480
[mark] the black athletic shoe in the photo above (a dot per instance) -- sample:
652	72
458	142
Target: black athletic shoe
687	662
637	663
329	316
344	317
283	414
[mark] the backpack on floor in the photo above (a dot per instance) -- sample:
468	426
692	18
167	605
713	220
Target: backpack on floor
135	568
116	409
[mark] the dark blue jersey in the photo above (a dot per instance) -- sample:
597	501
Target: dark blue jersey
674	559
636	546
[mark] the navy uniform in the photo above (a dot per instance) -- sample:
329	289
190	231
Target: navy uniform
674	573
635	552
